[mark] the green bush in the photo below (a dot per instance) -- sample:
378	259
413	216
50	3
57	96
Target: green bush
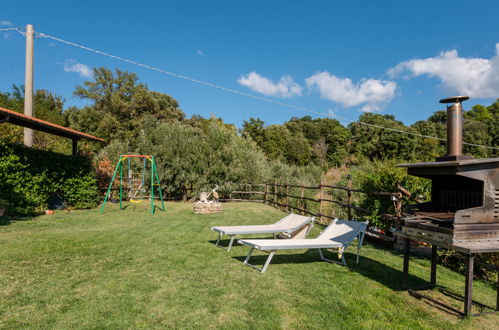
29	177
194	159
384	176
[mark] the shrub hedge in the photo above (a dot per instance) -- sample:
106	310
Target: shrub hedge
384	176
29	178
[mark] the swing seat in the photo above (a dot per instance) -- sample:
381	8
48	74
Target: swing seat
136	201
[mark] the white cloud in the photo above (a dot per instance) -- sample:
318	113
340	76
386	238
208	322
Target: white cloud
5	22
199	52
475	77
73	66
331	112
372	93
285	87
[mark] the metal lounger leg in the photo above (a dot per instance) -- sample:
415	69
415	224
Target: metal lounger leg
323	258
248	256
361	239
267	262
218	239
230	243
332	261
310	226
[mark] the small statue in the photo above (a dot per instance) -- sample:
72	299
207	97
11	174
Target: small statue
214	193
203	196
204	206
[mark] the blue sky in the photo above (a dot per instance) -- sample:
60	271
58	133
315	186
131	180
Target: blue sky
340	58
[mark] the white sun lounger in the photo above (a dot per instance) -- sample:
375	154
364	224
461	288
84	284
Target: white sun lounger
291	226
338	235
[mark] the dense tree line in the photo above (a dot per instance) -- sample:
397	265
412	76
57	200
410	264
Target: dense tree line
192	153
327	143
195	152
301	141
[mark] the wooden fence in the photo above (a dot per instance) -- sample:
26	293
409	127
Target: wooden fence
278	195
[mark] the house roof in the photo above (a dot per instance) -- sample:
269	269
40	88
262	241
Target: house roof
20	119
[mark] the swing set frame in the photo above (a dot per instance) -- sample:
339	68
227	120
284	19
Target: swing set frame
154	182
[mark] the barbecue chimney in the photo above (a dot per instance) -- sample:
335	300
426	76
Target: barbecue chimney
454	129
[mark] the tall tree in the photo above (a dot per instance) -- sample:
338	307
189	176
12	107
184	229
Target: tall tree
322	132
427	148
489	118
48	106
254	129
120	105
375	143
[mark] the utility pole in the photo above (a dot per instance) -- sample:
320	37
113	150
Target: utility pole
28	83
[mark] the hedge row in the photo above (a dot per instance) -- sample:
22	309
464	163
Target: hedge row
32	179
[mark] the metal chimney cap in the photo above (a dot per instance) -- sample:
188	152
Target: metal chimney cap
454	99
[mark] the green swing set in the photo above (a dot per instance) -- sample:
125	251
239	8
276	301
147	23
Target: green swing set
136	184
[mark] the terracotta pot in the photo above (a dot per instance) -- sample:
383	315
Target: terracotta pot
49	212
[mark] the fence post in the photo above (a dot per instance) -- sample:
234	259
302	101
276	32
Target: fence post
302	204
321	207
287	197
275	193
397	205
349	195
266	192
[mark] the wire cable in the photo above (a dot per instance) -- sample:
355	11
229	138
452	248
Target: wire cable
10	29
233	91
183	77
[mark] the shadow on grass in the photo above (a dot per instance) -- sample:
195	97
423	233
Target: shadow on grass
373	269
225	242
5	220
379	272
307	257
136	207
386	275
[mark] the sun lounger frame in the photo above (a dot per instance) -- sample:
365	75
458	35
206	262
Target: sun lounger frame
322	245
288	233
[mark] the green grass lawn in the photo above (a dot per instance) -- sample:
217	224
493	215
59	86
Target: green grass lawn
128	269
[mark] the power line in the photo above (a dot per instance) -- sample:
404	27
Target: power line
233	91
182	76
9	29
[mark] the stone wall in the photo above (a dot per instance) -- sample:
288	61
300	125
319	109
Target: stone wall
207	208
